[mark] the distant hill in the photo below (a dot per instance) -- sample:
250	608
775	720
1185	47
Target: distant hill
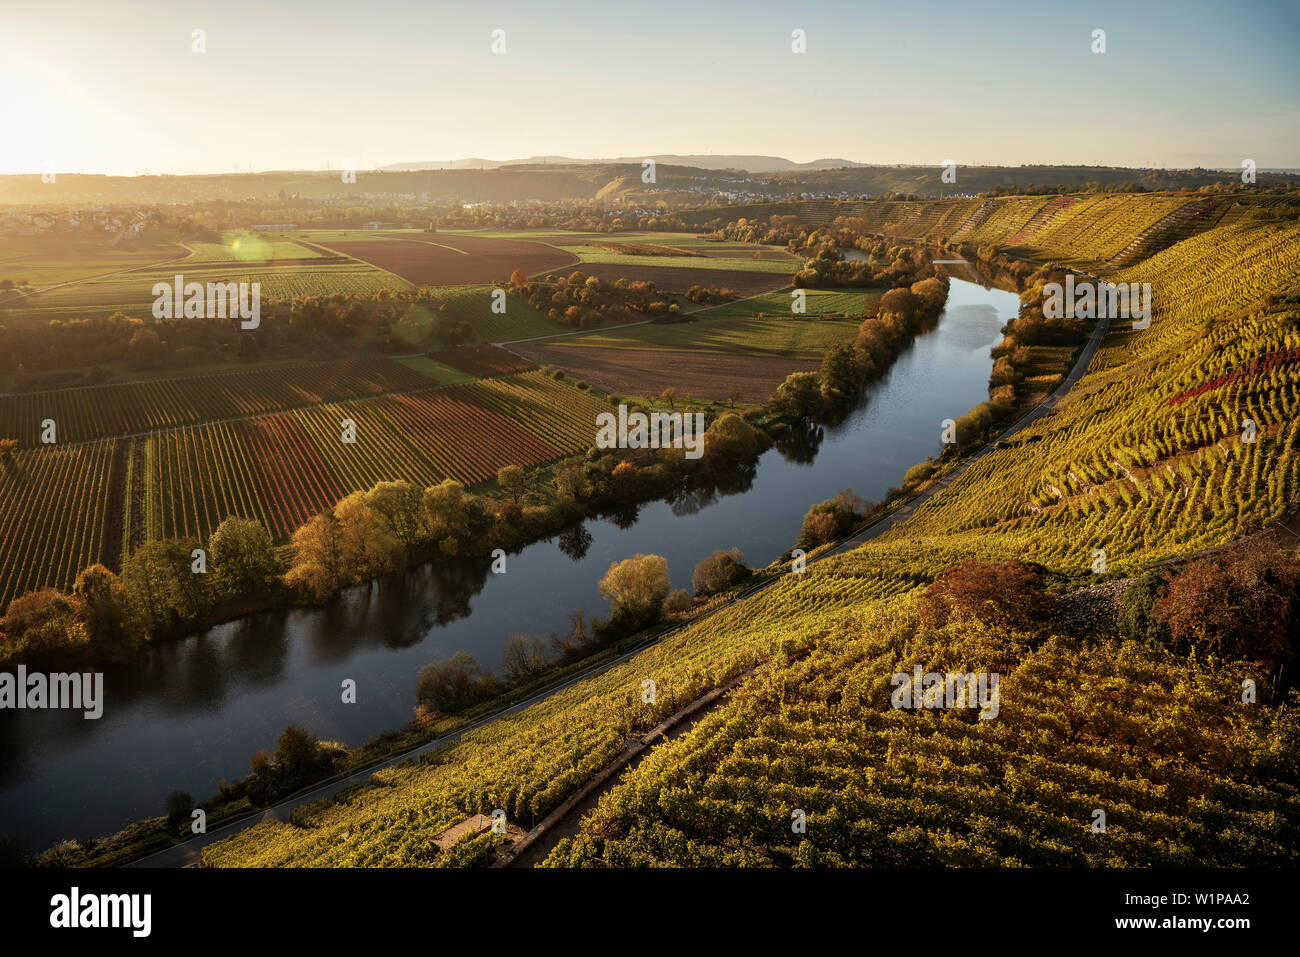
677	184
750	164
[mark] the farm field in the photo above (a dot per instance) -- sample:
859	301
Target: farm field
97	412
45	260
441	259
280	468
473	304
55	507
784	266
132	292
696	373
677	279
791	338
436	371
481	361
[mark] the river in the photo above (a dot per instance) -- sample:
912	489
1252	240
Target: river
192	712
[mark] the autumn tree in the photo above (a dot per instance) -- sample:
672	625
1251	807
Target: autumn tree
451	685
317	568
511	479
636	588
398	505
719	571
524	657
244	559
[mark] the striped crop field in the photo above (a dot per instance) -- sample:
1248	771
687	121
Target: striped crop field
53	505
69	505
131	407
285	467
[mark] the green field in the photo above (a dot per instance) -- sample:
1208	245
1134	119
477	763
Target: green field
132	293
44	260
249	248
598	256
439	373
473	303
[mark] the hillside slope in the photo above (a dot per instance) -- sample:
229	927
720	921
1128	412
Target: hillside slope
1146	460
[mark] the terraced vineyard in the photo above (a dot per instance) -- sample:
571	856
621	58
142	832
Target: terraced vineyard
883	787
1124	468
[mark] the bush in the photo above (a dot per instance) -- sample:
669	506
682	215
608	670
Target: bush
179	806
453	685
1008	594
919	473
719	571
1241	607
1137	620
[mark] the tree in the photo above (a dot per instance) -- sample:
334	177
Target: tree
718	572
244	560
636	588
179	806
511	479
297	750
99	593
839	376
160	588
524	657
799	396
449	686
39	621
398	504
318	557
668	395
145	349
369	548
519	278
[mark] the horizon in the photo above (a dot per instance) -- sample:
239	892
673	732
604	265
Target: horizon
1217	86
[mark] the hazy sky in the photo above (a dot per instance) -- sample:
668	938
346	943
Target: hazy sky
99	86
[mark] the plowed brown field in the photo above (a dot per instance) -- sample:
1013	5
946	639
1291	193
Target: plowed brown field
446	260
698	373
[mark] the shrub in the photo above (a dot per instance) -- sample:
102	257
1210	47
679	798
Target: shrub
1007	594
1242	606
719	571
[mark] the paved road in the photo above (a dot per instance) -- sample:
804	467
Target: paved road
188	852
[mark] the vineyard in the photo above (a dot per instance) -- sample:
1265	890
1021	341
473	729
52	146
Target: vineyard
481	361
1160	743
131	407
1124	468
53	513
884	787
286	467
69	505
132	292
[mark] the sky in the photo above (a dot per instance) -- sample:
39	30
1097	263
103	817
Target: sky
99	86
